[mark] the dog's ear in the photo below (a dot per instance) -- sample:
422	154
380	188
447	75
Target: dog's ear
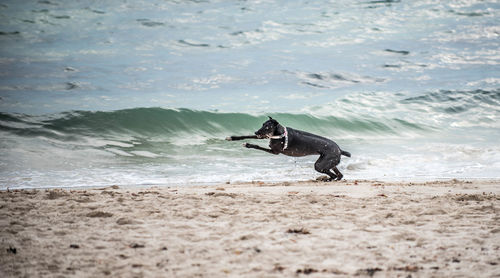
269	117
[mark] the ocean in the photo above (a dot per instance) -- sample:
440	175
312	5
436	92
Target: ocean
134	93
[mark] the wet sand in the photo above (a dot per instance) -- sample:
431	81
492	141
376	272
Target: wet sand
316	229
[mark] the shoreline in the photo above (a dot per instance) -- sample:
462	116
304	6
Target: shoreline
348	228
320	179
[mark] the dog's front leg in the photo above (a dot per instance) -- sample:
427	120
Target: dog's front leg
251	146
234	138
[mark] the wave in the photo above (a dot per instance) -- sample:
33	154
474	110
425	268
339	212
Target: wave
368	114
166	124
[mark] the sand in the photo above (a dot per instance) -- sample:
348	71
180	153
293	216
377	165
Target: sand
313	229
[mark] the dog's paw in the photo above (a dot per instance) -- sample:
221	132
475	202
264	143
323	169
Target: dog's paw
229	138
246	145
323	178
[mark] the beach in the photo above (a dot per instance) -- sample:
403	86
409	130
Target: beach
293	229
114	114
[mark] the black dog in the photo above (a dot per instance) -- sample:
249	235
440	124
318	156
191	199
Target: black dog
292	142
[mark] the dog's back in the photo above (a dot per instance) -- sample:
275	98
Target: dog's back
301	143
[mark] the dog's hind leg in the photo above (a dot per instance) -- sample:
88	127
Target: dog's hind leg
323	165
329	173
338	173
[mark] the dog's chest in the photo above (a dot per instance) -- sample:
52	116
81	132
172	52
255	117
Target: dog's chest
277	144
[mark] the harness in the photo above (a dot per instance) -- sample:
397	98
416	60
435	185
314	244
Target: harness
285	135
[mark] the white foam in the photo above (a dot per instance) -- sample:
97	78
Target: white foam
118	152
145	154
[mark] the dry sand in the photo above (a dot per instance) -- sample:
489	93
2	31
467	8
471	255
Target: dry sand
314	229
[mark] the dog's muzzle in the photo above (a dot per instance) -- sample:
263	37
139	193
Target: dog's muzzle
261	136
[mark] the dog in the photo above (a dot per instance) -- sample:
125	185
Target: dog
293	142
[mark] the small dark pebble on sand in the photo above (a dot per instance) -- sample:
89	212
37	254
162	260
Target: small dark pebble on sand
408	268
279	268
74	246
369	271
298	231
12	250
136	245
99	214
306	271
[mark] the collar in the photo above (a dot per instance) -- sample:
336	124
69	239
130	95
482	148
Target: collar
284	135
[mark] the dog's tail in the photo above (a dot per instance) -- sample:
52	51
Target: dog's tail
348	154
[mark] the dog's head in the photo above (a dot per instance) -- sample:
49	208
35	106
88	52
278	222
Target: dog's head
268	128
